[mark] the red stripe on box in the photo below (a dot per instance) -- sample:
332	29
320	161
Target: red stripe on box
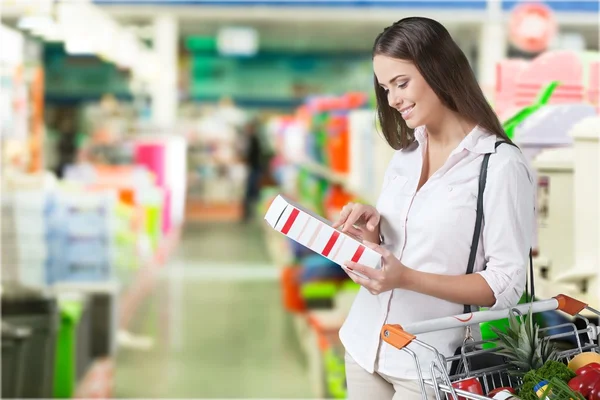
334	237
290	221
358	254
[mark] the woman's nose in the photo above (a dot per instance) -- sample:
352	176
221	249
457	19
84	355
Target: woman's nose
394	100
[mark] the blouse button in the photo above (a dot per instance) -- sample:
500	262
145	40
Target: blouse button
450	188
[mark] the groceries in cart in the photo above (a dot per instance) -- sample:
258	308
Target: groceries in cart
525	361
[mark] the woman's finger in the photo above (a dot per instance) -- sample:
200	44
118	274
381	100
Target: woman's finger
355	232
343	215
373	221
354	216
356	278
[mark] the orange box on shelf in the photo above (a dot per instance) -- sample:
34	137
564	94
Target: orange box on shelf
126	194
290	288
316	233
338	144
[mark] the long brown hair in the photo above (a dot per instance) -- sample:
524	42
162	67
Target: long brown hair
429	46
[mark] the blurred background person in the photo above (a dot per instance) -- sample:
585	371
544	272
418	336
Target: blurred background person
253	157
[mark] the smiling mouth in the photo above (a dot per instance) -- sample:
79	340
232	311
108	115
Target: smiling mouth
406	111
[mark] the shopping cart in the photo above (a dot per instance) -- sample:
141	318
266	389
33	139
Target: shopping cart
440	377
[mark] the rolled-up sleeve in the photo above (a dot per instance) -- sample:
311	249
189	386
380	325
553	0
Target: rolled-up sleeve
508	230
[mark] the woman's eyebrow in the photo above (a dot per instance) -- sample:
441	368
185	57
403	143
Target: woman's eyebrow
396	77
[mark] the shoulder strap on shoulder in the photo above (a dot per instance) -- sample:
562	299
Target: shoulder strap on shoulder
479	221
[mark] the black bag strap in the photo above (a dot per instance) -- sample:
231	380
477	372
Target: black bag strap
479	222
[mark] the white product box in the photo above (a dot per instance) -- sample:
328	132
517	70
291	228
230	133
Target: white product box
317	234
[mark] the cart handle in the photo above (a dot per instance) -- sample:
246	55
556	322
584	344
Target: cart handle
399	337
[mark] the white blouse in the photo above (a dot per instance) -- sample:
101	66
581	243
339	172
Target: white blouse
431	230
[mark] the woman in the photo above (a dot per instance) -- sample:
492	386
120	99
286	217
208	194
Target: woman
433	112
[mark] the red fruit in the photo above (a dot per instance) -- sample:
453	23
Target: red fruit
585	383
595	392
591	367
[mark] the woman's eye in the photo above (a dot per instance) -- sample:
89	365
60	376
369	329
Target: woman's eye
403	85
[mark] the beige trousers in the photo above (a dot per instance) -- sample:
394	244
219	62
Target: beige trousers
363	385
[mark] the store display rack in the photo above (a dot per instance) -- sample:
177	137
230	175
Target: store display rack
316	329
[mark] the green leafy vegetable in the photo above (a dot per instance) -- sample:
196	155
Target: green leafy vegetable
556	373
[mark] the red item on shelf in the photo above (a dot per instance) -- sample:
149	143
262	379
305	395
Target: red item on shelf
152	156
506	71
355	99
525	100
562	65
594	83
518	82
337	103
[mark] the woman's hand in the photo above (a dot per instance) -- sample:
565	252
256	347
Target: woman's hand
395	275
389	277
360	220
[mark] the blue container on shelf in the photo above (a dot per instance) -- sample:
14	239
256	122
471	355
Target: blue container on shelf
317	268
79	241
87	260
87	223
74	259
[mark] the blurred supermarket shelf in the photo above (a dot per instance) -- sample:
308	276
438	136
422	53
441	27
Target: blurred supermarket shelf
200	211
316	329
323	172
334	177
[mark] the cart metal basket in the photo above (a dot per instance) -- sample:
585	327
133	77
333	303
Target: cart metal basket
441	380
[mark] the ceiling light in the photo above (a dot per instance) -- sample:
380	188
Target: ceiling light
36	21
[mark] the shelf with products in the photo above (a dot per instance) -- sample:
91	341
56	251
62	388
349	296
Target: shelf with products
21	102
341	180
97	237
317	294
330	142
328	153
324	172
216	168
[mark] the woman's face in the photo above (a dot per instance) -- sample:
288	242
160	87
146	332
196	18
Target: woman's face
407	91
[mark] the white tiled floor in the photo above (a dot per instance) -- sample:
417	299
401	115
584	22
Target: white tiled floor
218	324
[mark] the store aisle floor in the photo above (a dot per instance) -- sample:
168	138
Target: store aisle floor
218	324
